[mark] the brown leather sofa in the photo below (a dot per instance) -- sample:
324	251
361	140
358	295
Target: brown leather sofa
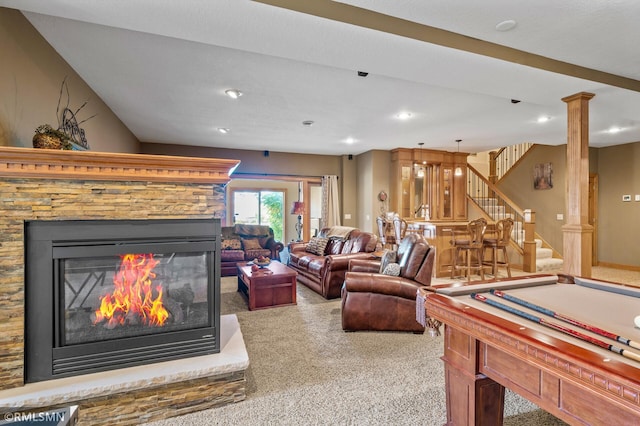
242	243
374	301
323	272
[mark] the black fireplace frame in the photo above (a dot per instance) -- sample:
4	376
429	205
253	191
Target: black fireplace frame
45	356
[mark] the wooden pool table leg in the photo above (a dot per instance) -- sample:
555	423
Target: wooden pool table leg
472	398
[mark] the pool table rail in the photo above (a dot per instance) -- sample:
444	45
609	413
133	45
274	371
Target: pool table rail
485	352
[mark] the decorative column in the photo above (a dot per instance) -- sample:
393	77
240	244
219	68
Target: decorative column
577	232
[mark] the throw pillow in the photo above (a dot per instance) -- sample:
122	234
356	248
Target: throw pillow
317	245
231	244
312	246
389	256
322	245
392	269
251	244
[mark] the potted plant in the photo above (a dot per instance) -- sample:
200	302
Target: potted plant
50	138
68	135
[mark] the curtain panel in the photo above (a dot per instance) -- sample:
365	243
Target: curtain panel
330	201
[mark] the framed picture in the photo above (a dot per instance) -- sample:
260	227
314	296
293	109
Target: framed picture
543	176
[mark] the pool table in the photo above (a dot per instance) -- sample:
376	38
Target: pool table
488	349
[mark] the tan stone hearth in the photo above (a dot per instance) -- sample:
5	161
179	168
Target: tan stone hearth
42	184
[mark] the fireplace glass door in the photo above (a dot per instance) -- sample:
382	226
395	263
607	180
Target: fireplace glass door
132	294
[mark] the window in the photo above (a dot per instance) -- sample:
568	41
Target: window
260	207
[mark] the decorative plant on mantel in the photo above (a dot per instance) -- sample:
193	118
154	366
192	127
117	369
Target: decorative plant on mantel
68	135
50	138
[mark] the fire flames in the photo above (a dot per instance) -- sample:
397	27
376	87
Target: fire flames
132	301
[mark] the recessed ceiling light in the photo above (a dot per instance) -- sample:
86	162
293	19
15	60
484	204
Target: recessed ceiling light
507	25
233	93
223	130
614	130
349	140
403	115
307	123
543	119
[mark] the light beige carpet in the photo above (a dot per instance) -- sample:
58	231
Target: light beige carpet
304	370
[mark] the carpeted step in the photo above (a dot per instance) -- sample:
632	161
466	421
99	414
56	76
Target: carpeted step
548	264
544	253
545	260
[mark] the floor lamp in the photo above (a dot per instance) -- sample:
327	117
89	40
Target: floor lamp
298	208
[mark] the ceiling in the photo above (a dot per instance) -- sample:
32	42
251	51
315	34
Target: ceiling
163	67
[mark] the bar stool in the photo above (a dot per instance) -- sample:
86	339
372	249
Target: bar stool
399	228
499	242
387	238
472	245
382	224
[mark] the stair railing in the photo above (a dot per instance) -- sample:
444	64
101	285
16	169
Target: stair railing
495	204
501	161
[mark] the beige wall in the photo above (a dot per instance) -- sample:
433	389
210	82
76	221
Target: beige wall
480	162
30	78
282	164
547	203
365	188
618	224
255	162
373	177
349	191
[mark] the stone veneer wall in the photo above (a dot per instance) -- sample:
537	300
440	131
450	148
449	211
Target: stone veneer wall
159	402
68	185
45	199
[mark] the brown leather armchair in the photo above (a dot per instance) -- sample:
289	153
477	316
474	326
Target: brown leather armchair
374	301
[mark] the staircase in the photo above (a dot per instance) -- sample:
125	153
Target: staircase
545	260
496	205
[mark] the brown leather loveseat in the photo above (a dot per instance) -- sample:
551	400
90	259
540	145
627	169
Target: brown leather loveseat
322	262
379	302
246	242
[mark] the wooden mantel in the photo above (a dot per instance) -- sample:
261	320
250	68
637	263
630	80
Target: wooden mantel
90	165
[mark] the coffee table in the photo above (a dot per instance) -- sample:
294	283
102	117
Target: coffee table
268	287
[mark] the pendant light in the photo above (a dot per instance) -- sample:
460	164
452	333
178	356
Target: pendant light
458	171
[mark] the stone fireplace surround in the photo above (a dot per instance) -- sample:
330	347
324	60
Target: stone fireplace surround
45	184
